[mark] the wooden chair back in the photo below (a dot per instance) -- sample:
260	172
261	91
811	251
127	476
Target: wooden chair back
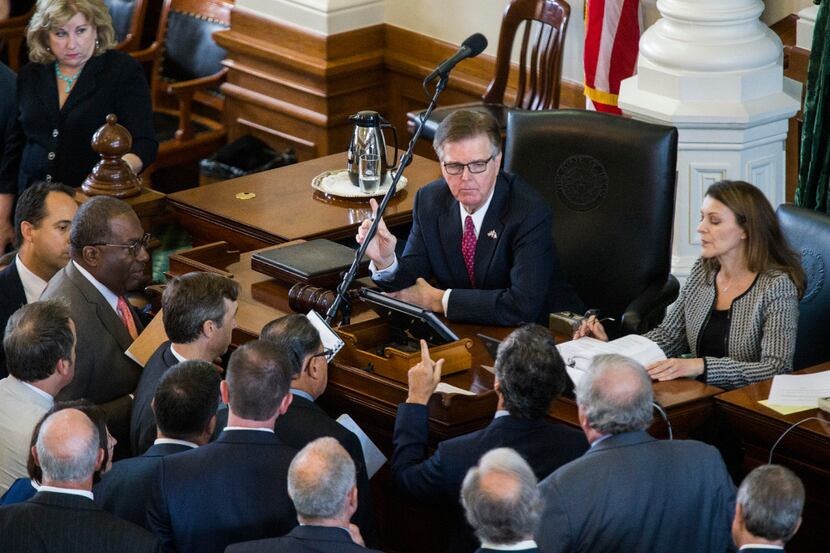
128	22
13	37
540	59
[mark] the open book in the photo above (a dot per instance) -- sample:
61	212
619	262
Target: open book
578	353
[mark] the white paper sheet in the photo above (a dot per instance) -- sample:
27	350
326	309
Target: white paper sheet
331	340
799	389
579	353
450	389
371	454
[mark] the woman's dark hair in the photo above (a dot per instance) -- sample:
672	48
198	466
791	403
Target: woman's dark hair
766	248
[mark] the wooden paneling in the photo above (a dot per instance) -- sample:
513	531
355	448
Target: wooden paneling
294	88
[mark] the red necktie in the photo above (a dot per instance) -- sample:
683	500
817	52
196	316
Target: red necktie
468	248
126	316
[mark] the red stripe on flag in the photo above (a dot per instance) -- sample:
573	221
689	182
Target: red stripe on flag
626	46
593	36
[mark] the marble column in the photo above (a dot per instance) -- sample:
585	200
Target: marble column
712	69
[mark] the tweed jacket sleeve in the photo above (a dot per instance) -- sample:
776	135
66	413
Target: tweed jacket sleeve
762	328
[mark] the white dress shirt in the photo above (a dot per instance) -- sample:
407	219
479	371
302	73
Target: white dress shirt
33	285
67	491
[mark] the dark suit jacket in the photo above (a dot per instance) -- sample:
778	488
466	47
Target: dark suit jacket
518	279
304	539
61	523
143	420
232	490
632	492
304	422
544	445
8	106
20	490
110	83
103	374
12	298
125	489
486	550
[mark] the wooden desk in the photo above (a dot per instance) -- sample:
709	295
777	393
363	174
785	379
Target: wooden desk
805	450
286	207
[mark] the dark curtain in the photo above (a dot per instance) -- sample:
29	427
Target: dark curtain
814	163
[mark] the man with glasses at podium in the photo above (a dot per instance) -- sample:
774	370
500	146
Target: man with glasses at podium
480	248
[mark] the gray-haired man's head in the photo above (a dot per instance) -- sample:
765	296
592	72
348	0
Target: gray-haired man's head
615	395
500	498
769	504
68	447
321	481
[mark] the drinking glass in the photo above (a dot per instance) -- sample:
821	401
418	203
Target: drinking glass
369	175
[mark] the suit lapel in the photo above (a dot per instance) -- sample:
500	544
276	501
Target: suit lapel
84	87
46	91
491	231
449	228
13	287
105	313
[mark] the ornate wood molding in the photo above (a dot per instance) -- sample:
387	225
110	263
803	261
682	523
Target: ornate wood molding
294	88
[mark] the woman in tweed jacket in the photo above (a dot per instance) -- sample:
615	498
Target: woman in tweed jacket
736	319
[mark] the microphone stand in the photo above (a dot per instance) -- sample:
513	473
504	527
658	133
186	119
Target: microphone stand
405	160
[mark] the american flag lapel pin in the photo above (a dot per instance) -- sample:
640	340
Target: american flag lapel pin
492	234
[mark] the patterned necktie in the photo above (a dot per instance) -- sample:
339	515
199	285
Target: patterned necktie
126	316
468	248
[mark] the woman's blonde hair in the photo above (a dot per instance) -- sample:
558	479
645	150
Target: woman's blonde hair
54	13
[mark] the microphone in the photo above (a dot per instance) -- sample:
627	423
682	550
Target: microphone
470	48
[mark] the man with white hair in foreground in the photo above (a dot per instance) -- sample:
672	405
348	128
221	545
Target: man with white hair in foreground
501	502
321	483
62	517
630	491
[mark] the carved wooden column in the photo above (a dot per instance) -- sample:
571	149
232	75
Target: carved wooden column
295	86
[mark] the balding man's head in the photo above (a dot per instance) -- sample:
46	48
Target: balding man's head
615	395
321	480
500	498
68	447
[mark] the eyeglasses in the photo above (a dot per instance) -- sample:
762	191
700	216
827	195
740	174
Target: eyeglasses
474	167
325	353
134	247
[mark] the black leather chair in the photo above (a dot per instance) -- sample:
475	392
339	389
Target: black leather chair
543	24
610	182
127	21
808	232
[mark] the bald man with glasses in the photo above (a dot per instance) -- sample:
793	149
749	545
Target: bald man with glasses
108	251
480	248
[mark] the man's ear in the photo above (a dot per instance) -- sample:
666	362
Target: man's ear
285	403
99	460
34	455
225	393
26	229
91	255
62	367
208	328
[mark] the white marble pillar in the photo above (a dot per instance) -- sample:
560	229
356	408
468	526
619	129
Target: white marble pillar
326	17
804	27
712	69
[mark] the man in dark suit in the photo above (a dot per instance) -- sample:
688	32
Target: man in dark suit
631	492
501	502
305	420
62	516
530	374
185	406
108	249
199	313
42	219
321	483
482	236
767	510
233	489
